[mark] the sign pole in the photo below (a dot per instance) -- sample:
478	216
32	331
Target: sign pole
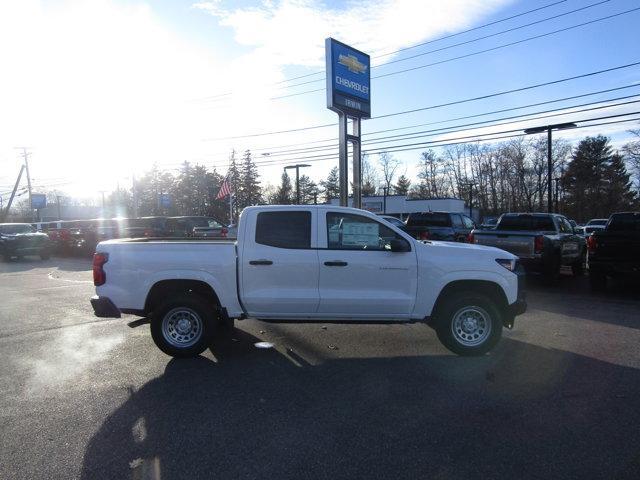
343	160
349	95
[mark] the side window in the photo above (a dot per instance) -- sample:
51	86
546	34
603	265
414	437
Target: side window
346	231
286	229
565	226
468	223
456	221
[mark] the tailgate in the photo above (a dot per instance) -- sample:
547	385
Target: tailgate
521	245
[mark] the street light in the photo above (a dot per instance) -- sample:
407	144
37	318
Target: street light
297	167
385	192
549	129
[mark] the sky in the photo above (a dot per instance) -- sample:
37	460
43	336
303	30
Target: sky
100	90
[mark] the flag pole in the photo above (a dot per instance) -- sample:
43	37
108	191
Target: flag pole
230	208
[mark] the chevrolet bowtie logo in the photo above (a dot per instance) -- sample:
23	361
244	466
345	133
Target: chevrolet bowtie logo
352	63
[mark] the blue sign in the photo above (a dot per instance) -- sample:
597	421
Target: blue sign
38	201
165	200
348	79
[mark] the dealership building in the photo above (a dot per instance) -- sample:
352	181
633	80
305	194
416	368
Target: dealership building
400	206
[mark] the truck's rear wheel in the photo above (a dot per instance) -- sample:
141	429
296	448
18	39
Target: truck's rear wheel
469	324
184	325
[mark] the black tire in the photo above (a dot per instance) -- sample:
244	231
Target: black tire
201	330
448	318
577	269
552	271
597	281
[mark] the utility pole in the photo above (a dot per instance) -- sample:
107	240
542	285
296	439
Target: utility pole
471	185
25	156
58	198
13	193
297	167
134	195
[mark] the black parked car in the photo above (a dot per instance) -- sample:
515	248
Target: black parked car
20	239
452	227
615	251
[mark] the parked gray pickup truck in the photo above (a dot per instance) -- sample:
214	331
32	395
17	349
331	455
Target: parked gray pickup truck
544	242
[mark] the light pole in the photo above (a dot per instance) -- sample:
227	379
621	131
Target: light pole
557	180
297	167
385	191
549	129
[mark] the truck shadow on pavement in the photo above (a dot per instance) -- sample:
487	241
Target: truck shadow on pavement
522	412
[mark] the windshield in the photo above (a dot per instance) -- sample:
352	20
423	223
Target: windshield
13	228
526	223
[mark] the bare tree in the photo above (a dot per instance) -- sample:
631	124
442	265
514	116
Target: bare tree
389	165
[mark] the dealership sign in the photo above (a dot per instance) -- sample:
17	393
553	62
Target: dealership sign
38	201
348	79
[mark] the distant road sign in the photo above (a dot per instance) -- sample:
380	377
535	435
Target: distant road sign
348	79
165	200
38	201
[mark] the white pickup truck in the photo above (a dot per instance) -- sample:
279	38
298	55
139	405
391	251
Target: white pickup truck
308	263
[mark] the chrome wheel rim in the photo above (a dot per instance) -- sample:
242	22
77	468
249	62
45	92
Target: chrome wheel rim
181	327
471	326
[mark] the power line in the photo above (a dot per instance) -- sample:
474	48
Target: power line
543	7
459	57
558	111
503	110
441	105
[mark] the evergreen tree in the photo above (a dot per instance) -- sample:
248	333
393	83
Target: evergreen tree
308	190
331	185
403	185
619	193
249	192
596	182
284	193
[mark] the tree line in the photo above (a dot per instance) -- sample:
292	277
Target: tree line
589	180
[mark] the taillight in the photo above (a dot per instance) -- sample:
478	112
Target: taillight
471	238
423	236
99	275
65	235
223	232
591	243
538	244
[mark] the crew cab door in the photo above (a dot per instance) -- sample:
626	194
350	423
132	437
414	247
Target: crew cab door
360	277
278	264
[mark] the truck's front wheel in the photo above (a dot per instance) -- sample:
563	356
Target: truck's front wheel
469	324
184	325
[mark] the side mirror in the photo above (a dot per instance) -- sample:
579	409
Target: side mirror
400	245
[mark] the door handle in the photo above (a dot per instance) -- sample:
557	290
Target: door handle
336	263
260	262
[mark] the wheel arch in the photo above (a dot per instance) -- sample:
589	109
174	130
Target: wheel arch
162	289
490	289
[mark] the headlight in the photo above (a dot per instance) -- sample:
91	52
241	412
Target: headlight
507	263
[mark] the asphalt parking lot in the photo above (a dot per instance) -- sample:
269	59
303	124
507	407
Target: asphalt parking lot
89	398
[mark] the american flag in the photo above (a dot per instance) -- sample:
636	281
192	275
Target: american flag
225	189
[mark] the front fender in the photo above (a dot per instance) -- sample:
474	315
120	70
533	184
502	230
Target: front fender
429	289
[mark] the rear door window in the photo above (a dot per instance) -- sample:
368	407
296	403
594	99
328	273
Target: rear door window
429	219
456	221
526	223
346	231
284	229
